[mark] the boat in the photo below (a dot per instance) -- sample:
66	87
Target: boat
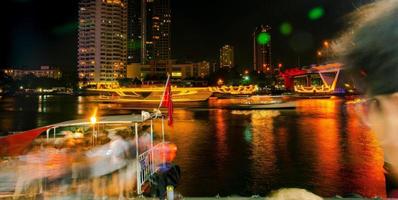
273	105
90	137
323	81
150	95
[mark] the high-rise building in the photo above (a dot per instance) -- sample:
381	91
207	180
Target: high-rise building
262	50
227	56
134	37
102	51
149	31
161	30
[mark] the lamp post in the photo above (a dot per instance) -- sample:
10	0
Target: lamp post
93	121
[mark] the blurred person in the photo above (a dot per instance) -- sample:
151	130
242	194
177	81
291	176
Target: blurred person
144	141
369	50
108	164
49	163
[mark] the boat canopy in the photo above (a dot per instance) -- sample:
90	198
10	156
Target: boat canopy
116	119
15	144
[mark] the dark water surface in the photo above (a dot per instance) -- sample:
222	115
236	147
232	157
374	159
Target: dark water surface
321	146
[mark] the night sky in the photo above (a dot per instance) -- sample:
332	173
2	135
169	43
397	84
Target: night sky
44	32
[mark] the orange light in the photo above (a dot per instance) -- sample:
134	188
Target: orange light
326	44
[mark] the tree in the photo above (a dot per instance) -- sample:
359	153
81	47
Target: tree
125	82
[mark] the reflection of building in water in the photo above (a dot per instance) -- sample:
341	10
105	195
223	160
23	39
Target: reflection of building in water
338	160
263	155
257	114
221	137
368	157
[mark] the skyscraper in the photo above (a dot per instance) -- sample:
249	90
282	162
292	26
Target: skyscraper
161	30
262	50
102	45
227	56
149	31
134	37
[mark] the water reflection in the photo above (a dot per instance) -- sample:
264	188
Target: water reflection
320	146
320	140
263	155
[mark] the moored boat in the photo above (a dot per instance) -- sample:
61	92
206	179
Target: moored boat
84	151
151	95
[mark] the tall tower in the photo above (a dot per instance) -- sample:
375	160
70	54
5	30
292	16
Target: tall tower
155	30
161	30
134	37
262	50
227	56
102	45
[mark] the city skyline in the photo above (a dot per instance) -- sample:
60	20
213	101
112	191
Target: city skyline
42	34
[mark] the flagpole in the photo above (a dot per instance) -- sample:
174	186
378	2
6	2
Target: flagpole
164	91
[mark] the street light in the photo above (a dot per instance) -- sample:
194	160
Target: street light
326	44
93	120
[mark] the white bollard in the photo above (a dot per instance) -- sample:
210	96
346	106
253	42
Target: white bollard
170	192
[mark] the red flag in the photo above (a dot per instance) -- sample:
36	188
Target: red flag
168	102
14	145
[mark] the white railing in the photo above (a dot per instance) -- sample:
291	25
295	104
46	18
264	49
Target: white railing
148	163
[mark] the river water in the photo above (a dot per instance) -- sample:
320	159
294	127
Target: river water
321	146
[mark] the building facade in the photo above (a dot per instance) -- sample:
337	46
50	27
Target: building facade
102	45
149	31
41	72
176	70
161	30
134	36
227	57
262	50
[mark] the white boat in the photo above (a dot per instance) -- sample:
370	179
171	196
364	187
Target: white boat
88	135
151	95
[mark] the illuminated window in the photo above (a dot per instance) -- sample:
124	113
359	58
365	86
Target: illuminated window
176	74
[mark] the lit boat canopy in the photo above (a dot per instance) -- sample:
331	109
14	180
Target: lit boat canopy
117	119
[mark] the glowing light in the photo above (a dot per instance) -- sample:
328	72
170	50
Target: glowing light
220	82
176	74
286	28
316	13
326	44
93	120
263	38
